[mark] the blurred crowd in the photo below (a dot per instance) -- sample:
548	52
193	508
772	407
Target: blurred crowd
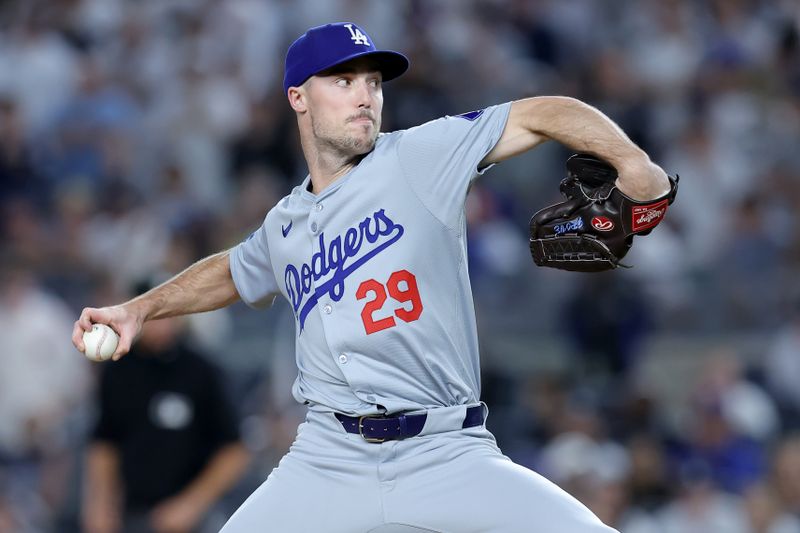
138	137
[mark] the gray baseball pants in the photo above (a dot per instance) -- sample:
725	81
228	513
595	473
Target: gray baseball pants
445	481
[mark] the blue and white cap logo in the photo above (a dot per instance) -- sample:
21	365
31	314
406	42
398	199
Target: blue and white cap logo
356	35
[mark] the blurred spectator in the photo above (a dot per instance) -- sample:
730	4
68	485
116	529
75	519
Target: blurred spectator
747	408
497	249
37	65
582	454
265	143
782	368
752	260
204	111
701	507
766	514
166	444
786	473
607	322
609	501
648	484
729	423
602	473
17	176
124	237
25	233
94	132
42	384
703	213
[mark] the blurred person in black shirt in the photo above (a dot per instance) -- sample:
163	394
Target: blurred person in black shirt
166	445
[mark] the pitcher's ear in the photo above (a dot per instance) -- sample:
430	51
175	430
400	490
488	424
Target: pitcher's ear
297	99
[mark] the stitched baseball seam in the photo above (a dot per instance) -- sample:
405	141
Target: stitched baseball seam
100	343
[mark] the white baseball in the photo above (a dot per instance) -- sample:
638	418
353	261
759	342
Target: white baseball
100	343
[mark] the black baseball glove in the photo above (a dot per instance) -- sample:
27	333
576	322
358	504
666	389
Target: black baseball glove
593	229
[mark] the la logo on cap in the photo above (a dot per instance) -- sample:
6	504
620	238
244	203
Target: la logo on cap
356	35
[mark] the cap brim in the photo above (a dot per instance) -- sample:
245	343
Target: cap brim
391	64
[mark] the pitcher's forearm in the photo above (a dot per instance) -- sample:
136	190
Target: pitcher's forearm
204	286
581	127
585	129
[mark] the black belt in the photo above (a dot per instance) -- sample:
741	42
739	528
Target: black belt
380	428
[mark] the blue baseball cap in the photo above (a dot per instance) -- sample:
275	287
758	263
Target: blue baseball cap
323	47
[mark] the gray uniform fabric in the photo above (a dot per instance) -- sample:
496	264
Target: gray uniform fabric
401	209
450	482
375	269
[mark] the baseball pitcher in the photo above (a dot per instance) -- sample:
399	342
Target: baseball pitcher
370	252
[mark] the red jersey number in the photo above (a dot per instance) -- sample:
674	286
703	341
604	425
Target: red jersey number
402	287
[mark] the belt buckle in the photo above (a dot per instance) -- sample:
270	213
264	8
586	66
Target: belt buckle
377	440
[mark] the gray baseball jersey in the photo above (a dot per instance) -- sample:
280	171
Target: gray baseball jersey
375	270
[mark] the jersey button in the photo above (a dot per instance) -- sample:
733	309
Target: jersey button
313	227
318	207
342	358
328	309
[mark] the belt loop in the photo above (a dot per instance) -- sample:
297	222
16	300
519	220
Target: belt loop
403	425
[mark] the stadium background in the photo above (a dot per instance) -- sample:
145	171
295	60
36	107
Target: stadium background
137	137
